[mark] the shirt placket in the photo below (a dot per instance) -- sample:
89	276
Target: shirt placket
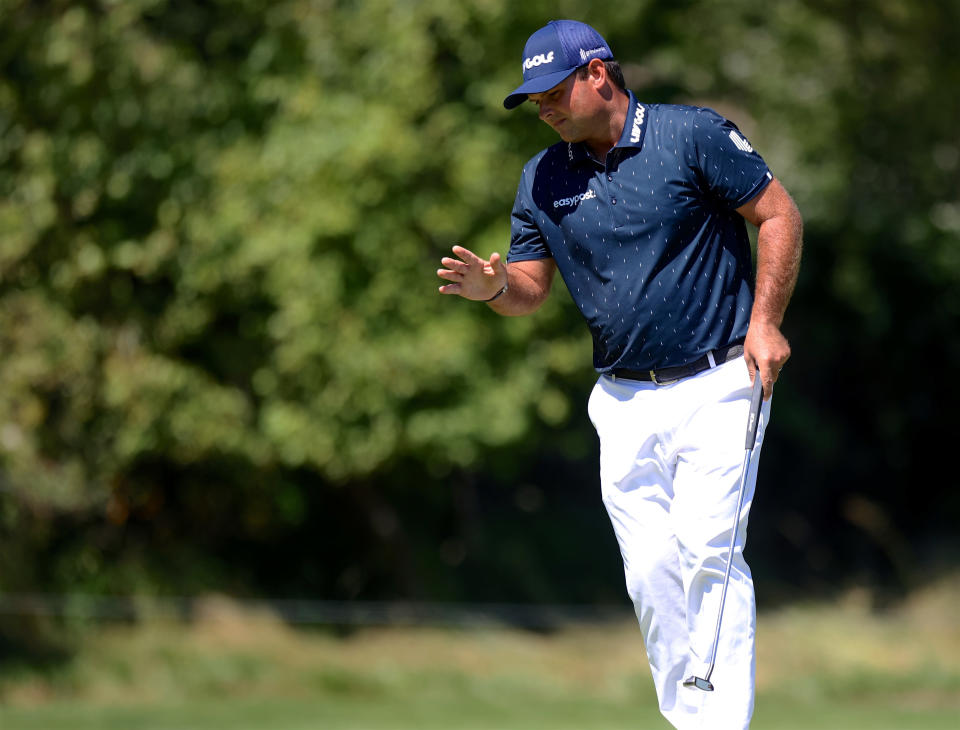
612	192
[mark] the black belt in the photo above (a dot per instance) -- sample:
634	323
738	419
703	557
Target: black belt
666	376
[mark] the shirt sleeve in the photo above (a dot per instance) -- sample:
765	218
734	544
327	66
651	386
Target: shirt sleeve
526	241
732	170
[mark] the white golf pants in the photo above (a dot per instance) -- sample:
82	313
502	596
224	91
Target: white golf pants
670	468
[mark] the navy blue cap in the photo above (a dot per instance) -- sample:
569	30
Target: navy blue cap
554	52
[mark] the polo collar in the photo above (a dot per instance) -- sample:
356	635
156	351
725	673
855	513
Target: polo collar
634	130
635	127
577	154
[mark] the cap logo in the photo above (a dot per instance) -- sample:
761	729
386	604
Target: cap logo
585	55
538	60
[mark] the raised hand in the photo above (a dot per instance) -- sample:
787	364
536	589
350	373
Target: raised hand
472	277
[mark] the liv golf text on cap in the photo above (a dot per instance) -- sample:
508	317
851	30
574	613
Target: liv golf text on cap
554	52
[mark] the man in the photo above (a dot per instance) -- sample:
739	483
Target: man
641	207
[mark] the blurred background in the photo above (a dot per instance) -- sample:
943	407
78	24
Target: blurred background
225	367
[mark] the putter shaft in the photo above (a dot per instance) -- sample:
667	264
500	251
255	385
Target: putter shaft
704	683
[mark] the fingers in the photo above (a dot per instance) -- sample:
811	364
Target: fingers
469	275
450	289
453	266
766	348
467	262
450	275
769	373
456	270
468	256
768	381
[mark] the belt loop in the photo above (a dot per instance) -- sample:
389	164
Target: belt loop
711	359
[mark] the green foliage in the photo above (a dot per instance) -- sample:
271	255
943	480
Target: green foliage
222	341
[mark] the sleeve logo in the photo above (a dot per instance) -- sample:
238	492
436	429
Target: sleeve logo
740	142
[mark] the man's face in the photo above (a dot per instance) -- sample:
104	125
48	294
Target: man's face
564	108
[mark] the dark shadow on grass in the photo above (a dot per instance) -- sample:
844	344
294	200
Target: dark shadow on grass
31	642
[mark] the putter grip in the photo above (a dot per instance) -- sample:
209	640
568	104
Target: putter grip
756	398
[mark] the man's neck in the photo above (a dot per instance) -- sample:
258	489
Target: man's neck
611	126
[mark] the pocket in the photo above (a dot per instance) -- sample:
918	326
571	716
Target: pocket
739	370
592	402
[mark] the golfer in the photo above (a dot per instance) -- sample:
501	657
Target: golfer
642	209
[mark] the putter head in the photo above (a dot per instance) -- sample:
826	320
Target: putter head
698	683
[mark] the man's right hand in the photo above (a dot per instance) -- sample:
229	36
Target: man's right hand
472	277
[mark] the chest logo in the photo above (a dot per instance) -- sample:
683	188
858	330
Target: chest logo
574	200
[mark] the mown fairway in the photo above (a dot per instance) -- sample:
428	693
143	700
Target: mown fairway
829	667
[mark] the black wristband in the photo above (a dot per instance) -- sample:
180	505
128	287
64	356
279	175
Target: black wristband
499	293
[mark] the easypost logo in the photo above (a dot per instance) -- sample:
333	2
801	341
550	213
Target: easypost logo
574	200
538	60
637	123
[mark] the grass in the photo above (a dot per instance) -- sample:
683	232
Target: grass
827	666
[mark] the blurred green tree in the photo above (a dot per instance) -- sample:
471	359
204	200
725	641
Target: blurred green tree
224	360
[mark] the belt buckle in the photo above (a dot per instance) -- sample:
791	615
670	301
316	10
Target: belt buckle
658	381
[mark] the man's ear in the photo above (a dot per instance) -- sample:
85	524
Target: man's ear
598	72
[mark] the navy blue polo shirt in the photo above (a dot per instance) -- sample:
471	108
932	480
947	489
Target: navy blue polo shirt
649	242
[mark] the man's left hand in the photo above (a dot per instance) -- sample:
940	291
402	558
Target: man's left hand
766	348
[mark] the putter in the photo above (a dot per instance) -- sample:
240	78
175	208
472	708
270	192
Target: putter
704	683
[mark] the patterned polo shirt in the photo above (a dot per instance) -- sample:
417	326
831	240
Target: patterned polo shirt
648	243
